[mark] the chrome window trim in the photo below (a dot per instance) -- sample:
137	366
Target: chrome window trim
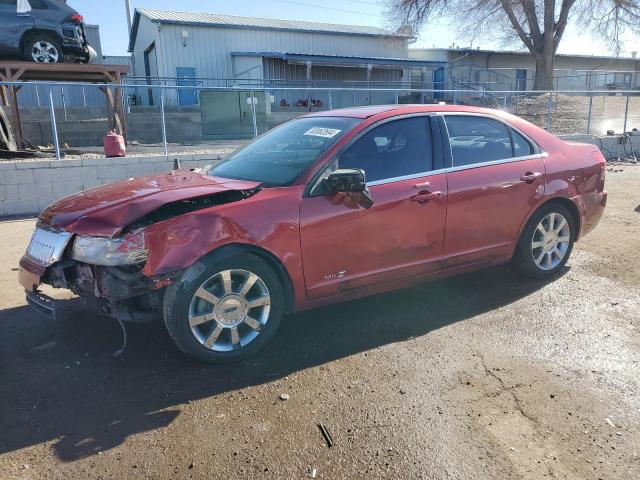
496	162
457	169
540	152
406	177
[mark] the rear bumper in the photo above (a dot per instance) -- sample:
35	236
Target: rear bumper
594	208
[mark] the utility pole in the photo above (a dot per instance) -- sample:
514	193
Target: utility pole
129	22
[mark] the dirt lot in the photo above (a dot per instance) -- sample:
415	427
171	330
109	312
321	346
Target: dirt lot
569	114
482	376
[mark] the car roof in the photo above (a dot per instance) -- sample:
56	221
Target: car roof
366	112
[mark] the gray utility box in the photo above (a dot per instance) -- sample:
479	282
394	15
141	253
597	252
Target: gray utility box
227	114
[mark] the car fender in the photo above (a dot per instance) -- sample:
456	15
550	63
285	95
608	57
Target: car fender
267	223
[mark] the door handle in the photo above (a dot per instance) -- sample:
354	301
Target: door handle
426	196
530	177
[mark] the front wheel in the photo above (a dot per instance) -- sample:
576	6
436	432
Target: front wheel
546	242
224	311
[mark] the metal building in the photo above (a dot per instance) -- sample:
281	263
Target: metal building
221	50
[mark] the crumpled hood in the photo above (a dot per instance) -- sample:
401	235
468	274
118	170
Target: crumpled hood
107	209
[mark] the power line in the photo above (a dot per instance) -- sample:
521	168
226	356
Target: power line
303	4
363	2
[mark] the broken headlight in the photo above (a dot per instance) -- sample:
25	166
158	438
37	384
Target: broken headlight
111	252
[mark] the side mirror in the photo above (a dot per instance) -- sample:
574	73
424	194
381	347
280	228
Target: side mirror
348	180
351	180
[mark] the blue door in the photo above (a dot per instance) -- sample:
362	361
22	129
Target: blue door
438	82
521	79
187	77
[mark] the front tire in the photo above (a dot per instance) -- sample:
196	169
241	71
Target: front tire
43	48
223	311
546	242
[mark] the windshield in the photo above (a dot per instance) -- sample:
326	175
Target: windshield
282	154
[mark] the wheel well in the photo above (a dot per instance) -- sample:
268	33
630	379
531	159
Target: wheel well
38	31
230	250
569	205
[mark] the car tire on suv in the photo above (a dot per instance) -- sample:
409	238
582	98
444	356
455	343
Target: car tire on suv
43	48
222	311
546	242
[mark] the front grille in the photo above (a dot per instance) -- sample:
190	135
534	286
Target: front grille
47	246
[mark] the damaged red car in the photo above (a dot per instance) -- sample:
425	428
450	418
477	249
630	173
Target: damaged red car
325	208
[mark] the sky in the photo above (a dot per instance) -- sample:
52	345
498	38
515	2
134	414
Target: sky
113	23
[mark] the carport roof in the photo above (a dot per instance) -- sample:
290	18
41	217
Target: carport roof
343	60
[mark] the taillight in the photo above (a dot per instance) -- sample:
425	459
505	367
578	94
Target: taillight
76	18
597	156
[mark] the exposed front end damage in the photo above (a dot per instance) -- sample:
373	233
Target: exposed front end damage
105	267
122	292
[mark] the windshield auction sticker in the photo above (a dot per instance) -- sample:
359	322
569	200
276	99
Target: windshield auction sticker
322	132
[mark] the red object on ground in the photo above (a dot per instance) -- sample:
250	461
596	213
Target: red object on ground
114	145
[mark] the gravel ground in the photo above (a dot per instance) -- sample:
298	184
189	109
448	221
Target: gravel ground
220	147
481	376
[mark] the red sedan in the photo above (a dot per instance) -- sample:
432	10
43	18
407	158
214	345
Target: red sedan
325	208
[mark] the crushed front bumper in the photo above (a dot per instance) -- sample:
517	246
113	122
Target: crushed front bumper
42	304
30	274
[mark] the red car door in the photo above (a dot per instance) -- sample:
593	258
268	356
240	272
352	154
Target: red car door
497	176
346	247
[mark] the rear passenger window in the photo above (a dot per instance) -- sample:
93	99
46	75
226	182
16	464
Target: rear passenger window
394	149
521	146
38	5
477	139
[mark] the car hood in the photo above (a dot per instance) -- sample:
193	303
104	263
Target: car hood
106	210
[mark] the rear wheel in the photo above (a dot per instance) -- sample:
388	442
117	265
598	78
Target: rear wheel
43	48
546	242
224	311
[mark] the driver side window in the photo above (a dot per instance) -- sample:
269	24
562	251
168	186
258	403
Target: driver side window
394	149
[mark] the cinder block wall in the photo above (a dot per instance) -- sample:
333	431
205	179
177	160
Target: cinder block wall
611	146
27	187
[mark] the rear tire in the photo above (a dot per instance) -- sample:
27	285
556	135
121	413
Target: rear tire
546	242
43	48
223	311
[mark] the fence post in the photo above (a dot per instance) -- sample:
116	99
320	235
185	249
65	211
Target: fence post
626	114
164	125
64	103
589	117
253	114
54	126
549	103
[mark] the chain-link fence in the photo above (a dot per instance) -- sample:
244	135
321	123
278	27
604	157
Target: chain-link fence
69	114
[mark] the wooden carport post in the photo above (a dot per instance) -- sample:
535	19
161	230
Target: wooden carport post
13	95
114	104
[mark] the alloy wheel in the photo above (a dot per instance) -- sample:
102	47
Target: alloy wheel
44	52
550	241
229	310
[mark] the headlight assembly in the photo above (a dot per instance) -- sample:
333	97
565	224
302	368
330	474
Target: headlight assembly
111	252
